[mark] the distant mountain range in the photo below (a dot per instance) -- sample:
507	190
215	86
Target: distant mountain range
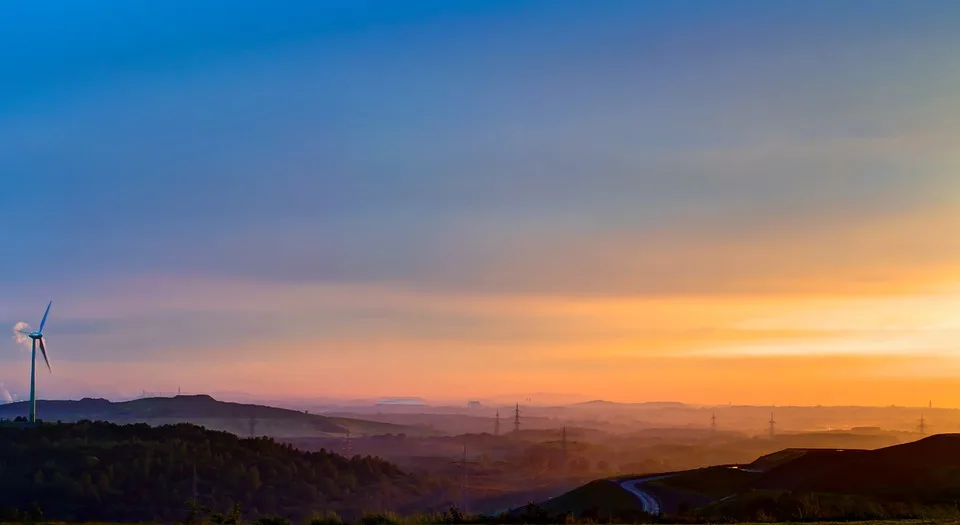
203	410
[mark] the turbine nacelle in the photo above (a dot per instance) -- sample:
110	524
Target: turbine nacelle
35	335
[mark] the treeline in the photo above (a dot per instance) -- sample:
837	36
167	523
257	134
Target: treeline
96	471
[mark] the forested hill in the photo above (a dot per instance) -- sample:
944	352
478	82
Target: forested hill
96	471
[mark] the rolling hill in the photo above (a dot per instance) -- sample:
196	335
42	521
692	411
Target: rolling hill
928	470
917	479
209	413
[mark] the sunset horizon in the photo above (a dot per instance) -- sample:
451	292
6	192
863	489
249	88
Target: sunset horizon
747	203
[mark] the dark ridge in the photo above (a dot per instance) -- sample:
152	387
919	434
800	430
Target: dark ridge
102	472
922	469
204	410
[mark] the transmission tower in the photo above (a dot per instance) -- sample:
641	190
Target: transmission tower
713	423
463	487
923	426
347	446
516	419
496	425
253	427
772	426
465	466
563	443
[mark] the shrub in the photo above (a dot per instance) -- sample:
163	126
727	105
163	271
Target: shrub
327	518
380	518
273	520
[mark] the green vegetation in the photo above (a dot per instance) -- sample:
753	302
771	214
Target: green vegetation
101	471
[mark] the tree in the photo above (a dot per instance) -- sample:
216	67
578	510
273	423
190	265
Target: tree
94	471
253	478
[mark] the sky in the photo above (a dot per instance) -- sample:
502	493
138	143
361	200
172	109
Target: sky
743	201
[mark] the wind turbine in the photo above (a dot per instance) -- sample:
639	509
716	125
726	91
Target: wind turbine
36	337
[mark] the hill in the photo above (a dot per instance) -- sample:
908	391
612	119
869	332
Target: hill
210	413
927	470
918	479
600	498
125	473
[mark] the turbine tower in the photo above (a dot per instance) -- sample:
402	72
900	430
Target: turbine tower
36	337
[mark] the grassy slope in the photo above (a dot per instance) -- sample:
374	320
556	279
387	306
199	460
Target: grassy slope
711	483
925	472
923	469
601	494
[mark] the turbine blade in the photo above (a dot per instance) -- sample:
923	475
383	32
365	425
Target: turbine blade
44	320
43	350
24	332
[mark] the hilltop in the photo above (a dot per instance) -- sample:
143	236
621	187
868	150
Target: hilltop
928	469
210	413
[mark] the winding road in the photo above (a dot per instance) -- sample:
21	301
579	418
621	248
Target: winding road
650	503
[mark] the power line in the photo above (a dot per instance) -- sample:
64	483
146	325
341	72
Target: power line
464	485
563	442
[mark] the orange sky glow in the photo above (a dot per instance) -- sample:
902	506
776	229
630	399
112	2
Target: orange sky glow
727	206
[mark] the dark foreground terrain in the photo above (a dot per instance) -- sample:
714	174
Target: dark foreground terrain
913	480
105	472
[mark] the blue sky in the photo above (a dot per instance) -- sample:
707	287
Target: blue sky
157	155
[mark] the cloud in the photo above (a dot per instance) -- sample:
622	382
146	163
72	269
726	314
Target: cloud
5	396
377	195
19	337
561	188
